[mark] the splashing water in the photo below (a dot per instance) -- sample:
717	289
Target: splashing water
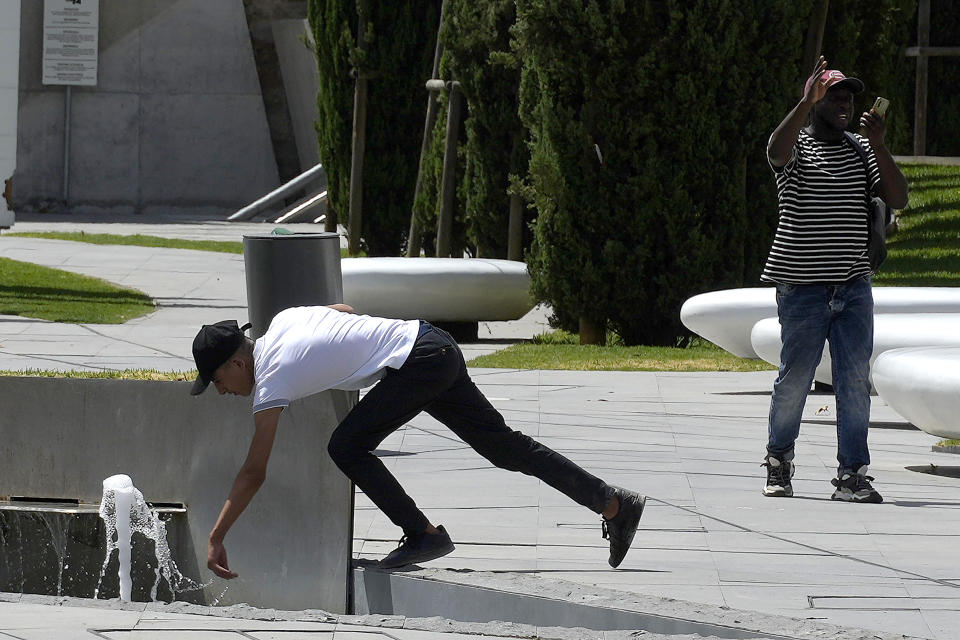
58	541
124	512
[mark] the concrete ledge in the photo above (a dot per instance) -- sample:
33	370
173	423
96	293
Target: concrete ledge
477	596
60	437
729	622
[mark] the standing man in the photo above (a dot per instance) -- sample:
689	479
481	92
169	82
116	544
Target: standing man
416	367
819	264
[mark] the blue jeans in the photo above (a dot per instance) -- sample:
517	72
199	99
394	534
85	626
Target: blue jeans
809	315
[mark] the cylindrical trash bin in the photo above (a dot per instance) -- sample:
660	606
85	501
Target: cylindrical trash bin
290	270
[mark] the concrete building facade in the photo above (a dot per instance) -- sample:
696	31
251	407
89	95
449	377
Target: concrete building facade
176	121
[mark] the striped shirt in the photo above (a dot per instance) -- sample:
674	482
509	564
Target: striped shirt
822	232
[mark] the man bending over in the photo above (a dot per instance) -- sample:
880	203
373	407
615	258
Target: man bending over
416	367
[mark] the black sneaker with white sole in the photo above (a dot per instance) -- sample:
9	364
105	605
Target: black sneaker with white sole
779	475
855	487
621	529
418	547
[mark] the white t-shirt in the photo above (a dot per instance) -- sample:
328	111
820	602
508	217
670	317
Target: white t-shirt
311	349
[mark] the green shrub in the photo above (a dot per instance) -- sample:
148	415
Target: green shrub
870	45
398	57
477	39
491	146
426	207
648	122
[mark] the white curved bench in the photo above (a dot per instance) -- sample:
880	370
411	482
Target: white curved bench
437	289
726	317
890	331
921	384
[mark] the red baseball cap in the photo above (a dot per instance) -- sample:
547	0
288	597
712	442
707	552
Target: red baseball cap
834	78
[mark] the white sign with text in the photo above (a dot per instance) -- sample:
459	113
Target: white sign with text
71	30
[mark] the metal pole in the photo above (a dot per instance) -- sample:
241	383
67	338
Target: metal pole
358	141
515	229
413	238
449	182
920	99
66	145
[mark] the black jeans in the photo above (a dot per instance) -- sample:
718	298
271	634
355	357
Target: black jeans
434	379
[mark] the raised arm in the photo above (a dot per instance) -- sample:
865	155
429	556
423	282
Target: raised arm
893	185
245	486
780	146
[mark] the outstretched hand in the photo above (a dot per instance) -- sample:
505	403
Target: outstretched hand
217	560
816	87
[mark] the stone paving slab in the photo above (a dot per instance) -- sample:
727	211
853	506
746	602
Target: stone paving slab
708	534
46	618
190	288
693	442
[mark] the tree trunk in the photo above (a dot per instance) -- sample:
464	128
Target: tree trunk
592	333
812	47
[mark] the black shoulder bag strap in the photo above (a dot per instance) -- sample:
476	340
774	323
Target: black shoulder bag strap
877	213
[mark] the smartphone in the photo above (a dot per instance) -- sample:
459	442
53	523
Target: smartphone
880	108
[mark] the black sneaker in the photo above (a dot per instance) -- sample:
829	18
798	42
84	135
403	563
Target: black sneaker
623	526
779	473
855	487
418	547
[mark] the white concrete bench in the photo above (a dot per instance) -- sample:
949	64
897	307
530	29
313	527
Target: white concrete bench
437	289
921	384
890	331
727	317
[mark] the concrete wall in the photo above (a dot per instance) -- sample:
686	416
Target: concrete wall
59	438
9	47
301	81
261	15
175	122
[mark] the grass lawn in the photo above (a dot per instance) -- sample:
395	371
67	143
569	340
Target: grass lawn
925	251
538	354
137	240
126	374
51	294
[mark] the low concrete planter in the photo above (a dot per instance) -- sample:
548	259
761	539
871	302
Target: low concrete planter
60	437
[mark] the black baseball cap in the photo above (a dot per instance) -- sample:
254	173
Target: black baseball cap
213	346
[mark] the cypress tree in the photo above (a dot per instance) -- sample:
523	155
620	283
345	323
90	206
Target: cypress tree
398	57
476	36
648	122
870	45
491	151
426	207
